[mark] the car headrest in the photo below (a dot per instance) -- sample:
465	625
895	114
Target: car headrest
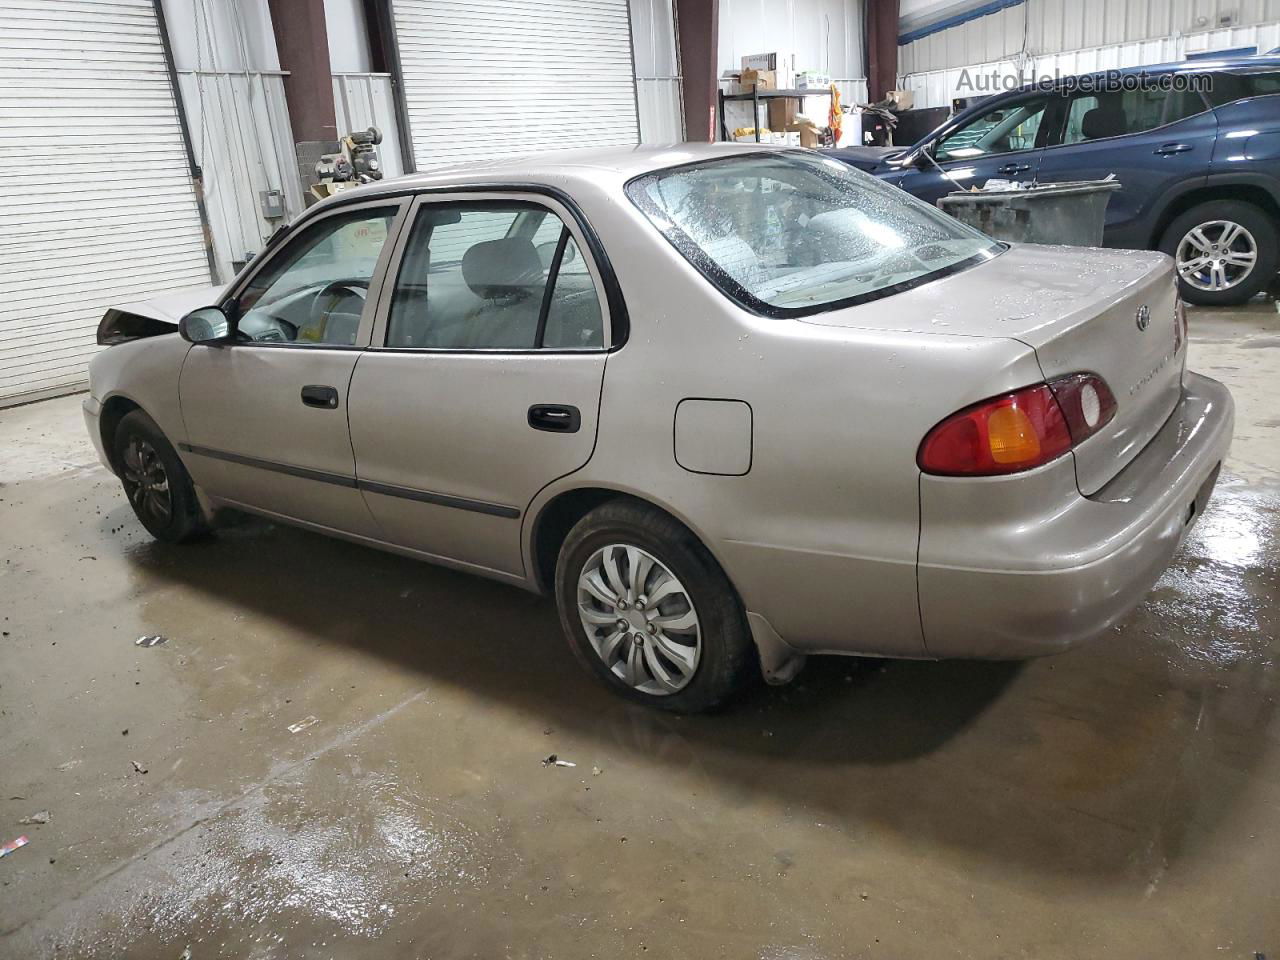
502	268
1105	120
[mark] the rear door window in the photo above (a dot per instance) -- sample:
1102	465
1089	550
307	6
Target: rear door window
493	275
1104	114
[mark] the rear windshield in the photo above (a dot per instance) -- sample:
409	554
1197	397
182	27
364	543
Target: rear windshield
791	233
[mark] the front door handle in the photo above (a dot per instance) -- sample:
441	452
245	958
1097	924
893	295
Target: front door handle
314	395
1170	148
1011	168
555	417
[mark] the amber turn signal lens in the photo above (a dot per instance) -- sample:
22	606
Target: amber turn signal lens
1020	430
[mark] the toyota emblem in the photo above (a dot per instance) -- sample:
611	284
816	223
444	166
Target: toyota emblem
1143	317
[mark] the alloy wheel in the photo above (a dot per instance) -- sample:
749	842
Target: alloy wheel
1216	255
145	481
639	618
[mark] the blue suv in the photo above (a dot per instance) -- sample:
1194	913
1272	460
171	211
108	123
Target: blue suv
1196	146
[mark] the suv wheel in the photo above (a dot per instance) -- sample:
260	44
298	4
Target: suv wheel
647	609
155	481
1225	252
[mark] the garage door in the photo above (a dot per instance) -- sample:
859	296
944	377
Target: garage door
96	200
487	78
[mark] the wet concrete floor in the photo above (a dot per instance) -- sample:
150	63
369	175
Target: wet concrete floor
1120	800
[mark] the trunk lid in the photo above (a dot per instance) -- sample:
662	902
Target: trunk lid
1077	308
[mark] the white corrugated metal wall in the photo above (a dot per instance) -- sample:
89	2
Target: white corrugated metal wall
488	78
823	35
239	124
658	92
1039	27
363	100
96	201
937	88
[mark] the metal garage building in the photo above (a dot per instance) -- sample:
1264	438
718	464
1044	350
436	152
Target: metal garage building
484	78
96	202
99	203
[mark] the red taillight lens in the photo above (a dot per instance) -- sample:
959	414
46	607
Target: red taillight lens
1019	430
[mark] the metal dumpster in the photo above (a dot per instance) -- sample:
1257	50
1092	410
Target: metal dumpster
1070	213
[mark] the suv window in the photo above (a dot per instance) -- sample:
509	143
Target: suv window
1228	87
1004	129
1096	116
493	275
313	291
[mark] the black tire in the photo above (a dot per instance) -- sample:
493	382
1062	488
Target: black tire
140	449
727	661
1266	240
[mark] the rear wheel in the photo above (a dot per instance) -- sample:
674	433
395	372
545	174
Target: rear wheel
1225	252
155	481
647	610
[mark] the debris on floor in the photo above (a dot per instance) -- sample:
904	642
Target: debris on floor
596	771
40	816
13	845
152	641
69	765
138	768
554	761
303	724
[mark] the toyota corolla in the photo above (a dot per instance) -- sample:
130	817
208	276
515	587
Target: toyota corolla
730	406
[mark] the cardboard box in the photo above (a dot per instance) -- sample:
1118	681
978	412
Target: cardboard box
782	113
762	61
810	136
812	80
900	99
760	79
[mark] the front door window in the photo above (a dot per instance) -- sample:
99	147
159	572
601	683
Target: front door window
493	275
313	291
1004	129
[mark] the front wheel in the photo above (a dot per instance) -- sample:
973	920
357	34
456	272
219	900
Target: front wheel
155	481
648	611
1225	252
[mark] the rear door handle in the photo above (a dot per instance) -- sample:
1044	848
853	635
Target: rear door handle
1169	148
555	417
314	395
1009	168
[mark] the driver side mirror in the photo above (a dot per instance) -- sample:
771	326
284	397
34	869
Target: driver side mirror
206	325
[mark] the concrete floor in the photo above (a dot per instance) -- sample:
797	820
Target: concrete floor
1121	800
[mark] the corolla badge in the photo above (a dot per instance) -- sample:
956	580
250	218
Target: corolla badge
1143	317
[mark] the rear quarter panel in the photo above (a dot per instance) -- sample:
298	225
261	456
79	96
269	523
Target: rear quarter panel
820	536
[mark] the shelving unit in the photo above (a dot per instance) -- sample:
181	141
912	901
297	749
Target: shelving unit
757	96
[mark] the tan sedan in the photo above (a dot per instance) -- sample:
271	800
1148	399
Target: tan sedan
730	406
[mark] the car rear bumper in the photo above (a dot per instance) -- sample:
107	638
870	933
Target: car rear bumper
1019	567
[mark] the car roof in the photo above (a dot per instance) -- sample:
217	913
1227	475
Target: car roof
1200	65
557	168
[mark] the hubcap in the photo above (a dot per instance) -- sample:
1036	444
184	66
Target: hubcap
640	619
1216	255
145	481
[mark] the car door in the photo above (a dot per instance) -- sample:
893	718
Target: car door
266	412
483	381
1002	142
1157	140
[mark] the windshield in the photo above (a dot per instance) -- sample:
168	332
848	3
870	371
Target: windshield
789	234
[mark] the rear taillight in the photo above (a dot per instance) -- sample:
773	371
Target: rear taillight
1020	430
